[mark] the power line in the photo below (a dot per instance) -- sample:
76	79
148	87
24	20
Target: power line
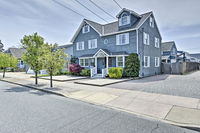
102	9
117	4
67	8
91	11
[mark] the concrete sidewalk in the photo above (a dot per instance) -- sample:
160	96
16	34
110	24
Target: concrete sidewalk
176	110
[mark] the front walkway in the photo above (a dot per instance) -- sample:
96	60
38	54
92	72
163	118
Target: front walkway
171	109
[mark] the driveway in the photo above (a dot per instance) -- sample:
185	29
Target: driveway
178	85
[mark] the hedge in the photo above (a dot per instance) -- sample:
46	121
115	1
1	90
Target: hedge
115	72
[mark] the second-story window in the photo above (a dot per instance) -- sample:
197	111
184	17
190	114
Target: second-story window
92	44
157	42
151	23
80	46
122	39
124	20
86	29
146	38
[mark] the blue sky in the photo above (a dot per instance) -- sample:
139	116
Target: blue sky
178	20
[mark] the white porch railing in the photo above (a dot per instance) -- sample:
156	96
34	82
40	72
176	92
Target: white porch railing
104	72
93	71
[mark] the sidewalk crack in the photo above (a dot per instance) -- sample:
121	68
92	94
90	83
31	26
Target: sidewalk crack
155	128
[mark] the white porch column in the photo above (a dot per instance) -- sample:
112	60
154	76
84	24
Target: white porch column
107	64
123	61
96	65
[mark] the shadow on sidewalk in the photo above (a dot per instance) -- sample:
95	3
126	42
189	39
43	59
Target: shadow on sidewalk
18	89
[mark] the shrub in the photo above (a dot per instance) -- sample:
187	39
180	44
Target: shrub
132	66
115	72
75	69
85	72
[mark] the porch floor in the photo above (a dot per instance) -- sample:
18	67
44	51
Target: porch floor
100	82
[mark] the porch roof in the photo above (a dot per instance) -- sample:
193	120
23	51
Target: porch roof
105	51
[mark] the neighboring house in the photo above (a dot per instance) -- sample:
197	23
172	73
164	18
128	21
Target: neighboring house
99	46
1	46
169	52
17	52
183	56
68	49
195	57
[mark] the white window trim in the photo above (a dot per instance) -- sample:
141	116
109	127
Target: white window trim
89	63
128	19
89	44
157	59
148	63
151	22
157	40
144	38
123	61
77	45
119	39
83	29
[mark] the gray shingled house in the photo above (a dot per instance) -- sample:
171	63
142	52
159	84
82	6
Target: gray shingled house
169	52
17	52
101	46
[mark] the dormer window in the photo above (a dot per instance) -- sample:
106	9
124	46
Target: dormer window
86	29
124	20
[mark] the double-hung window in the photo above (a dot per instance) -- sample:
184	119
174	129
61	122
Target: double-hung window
157	42
145	38
151	23
157	61
80	45
86	29
120	61
92	44
87	62
122	39
124	20
146	61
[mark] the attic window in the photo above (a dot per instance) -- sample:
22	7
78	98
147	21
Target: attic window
86	29
124	20
151	22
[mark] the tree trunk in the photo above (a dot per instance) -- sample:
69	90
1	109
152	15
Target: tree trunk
51	80
4	71
36	77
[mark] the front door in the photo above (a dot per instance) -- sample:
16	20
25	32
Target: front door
101	64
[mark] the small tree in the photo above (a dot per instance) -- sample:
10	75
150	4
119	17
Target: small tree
33	45
7	61
54	60
132	65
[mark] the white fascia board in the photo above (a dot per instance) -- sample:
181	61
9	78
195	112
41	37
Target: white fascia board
80	28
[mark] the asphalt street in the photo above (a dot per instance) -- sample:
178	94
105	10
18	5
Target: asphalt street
23	110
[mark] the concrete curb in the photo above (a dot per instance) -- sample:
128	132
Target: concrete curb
189	126
62	80
35	88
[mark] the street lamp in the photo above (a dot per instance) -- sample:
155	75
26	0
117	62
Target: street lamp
1	46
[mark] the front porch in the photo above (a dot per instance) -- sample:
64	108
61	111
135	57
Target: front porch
101	61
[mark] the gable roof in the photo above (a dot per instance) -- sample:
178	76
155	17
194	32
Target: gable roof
131	12
16	52
197	55
167	46
112	28
65	46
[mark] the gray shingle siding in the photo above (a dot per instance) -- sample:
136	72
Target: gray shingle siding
111	45
143	50
149	50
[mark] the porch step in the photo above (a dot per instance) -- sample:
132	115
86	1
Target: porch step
97	76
